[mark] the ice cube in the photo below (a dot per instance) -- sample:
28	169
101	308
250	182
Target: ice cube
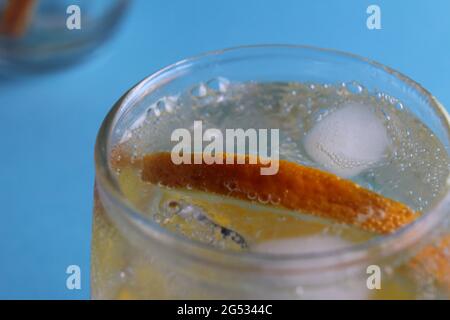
348	141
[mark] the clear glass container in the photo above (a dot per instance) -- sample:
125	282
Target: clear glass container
34	35
134	257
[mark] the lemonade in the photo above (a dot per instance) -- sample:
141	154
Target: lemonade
290	235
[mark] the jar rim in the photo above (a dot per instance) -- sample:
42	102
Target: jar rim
394	243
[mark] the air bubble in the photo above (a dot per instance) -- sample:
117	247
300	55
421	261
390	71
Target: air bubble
161	105
252	195
155	111
264	198
380	96
218	84
354	87
199	91
386	116
173	207
231	186
399	106
275	200
162	185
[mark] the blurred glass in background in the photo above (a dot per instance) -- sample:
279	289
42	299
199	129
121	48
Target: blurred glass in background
38	35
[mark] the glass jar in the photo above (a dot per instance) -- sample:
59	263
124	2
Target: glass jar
135	257
35	34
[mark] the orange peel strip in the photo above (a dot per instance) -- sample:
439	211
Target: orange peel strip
304	189
16	17
294	187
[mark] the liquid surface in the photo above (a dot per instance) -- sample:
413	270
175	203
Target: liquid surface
371	139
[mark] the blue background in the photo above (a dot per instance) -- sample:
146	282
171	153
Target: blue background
49	122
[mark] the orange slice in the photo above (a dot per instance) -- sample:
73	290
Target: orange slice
16	17
435	260
294	187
